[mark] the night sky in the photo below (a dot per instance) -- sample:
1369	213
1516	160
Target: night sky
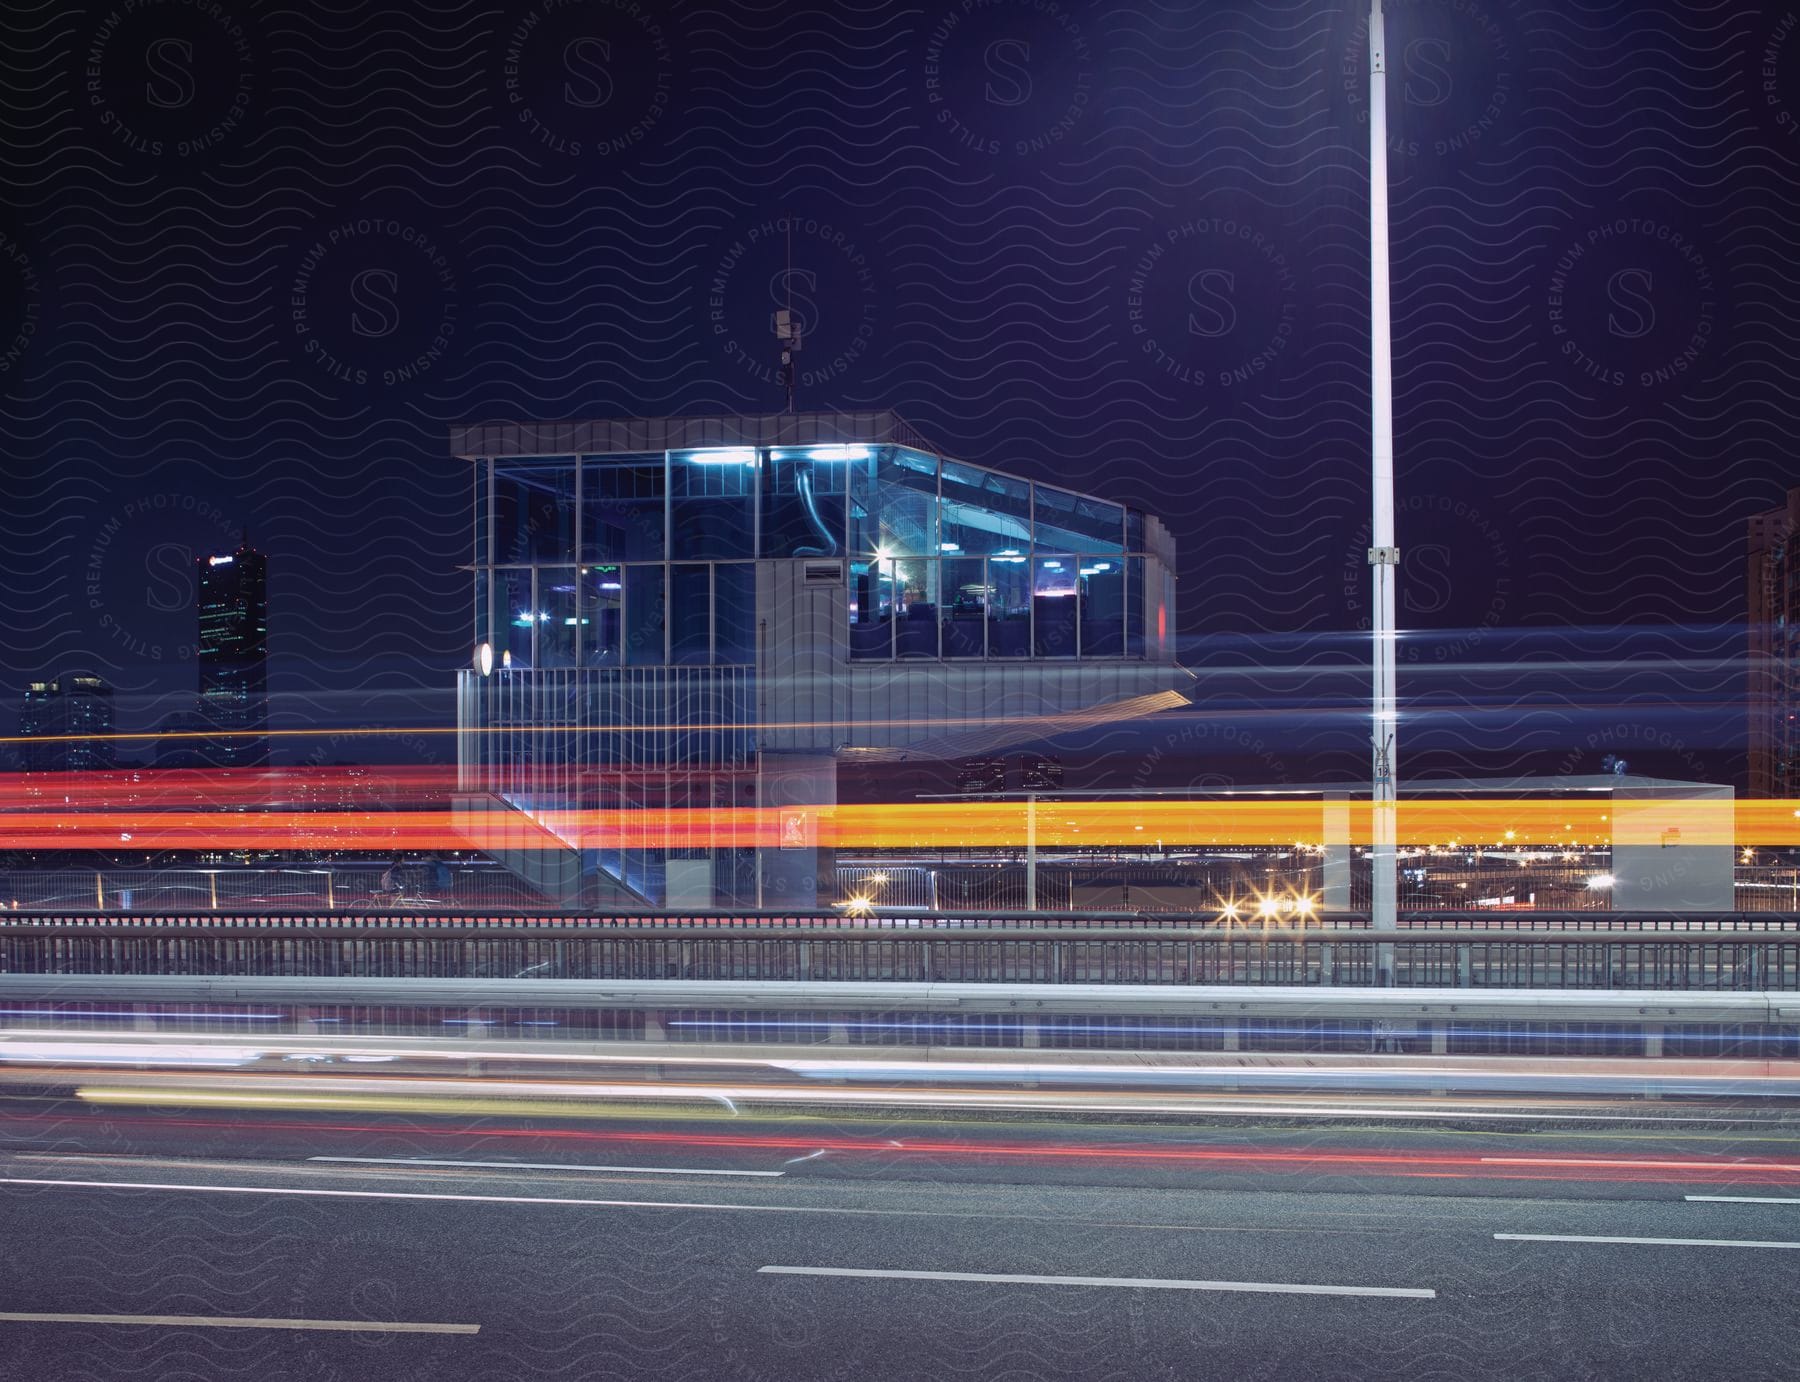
256	258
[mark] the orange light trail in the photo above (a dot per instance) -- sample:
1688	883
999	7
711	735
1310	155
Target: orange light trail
238	817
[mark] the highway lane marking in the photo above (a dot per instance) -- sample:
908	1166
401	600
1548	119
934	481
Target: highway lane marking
1636	1165
535	1166
1145	1282
1737	1199
1057	1219
445	1195
1646	1242
241	1322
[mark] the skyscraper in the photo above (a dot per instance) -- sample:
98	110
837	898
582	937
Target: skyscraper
1773	732
69	726
88	721
40	722
234	655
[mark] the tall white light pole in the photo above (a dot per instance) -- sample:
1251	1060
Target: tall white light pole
1384	556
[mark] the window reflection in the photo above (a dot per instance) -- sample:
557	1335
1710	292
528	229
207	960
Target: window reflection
603	600
623	499
984	512
803	501
894	509
1102	587
872	609
1009	606
916	632
712	503
690	614
734	613
558	621
534	511
644	630
965	601
1053	604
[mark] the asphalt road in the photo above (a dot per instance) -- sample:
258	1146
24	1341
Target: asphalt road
218	1243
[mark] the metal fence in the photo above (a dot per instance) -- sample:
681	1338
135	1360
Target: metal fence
948	887
747	919
335	887
1701	961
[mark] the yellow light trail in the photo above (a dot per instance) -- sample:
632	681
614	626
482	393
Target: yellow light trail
1562	827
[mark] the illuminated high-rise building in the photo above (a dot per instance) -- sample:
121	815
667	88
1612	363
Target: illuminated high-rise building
67	725
40	725
234	655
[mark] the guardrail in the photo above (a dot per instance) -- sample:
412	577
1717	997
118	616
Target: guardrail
1116	1017
787	920
1719	961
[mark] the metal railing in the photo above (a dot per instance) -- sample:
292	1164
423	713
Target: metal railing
513	918
1713	961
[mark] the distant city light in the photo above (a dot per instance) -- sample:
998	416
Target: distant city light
220	561
1599	882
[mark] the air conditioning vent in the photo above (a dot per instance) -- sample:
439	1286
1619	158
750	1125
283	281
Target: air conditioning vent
821	571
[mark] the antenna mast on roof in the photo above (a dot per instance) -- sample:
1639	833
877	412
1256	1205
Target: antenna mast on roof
787	326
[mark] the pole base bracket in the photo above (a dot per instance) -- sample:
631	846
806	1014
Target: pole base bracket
1384	556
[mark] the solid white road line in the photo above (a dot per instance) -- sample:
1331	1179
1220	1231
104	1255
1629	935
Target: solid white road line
535	1166
1642	1165
1651	1242
242	1322
1143	1282
438	1195
1736	1199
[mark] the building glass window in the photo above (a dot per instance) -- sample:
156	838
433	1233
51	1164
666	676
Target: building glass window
1009	607
1072	520
872	610
603	599
984	512
515	617
1054	603
644	615
534	510
893	509
1102	587
622	499
916	629
734	613
558	618
803	493
712	503
965	601
690	614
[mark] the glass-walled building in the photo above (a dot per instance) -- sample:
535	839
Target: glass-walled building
649	559
659	606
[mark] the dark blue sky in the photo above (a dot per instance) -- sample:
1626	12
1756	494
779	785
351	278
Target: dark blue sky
256	258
